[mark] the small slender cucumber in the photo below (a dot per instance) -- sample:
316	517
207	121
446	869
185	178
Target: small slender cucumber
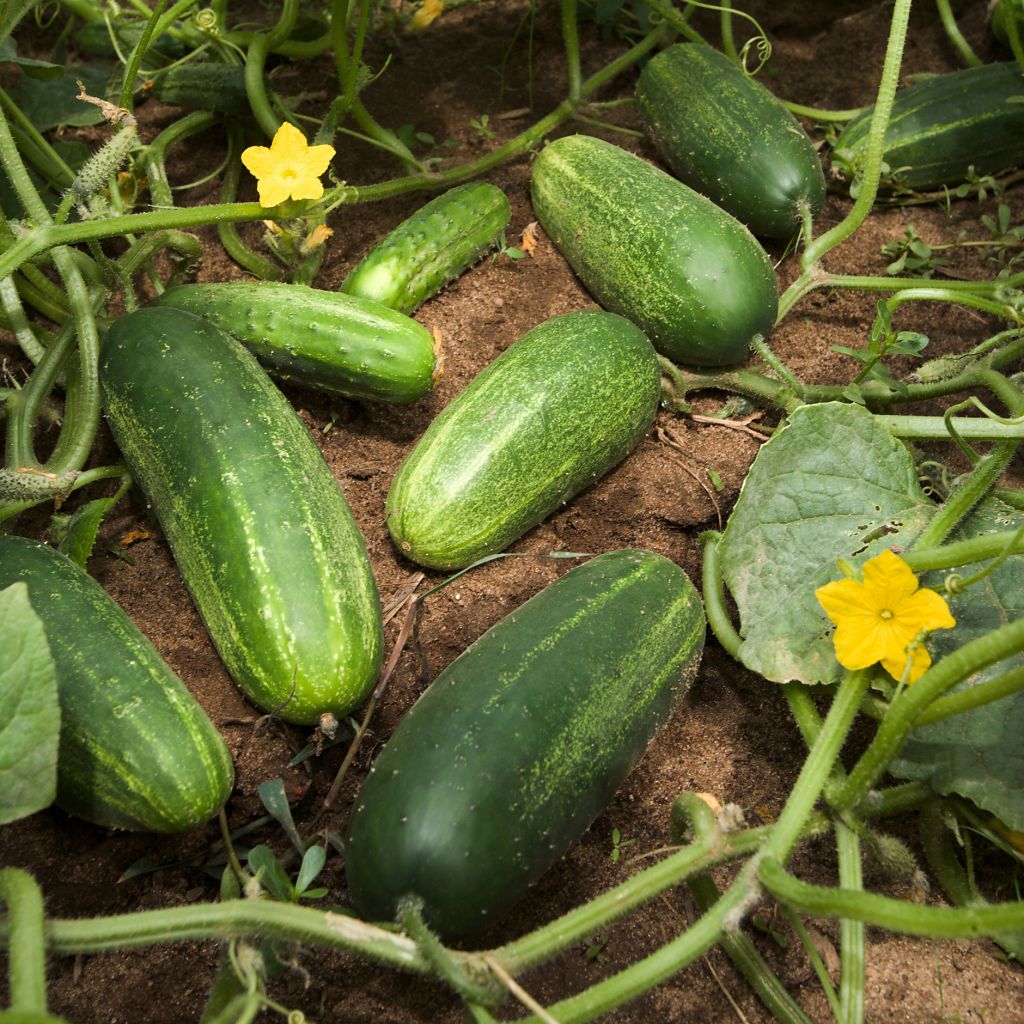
258	525
437	243
136	749
339	343
646	246
728	137
943	126
521	742
555	411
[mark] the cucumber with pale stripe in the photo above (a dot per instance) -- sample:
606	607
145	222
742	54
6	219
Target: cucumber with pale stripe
136	749
943	126
437	243
725	135
338	343
555	411
645	245
259	527
519	744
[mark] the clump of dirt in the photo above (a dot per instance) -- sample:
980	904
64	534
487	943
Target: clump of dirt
731	736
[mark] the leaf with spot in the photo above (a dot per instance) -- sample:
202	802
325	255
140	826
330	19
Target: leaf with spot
979	754
29	711
833	483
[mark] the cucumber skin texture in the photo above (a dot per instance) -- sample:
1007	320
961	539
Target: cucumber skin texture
725	135
688	274
257	524
943	125
558	409
437	243
219	88
520	743
136	749
337	343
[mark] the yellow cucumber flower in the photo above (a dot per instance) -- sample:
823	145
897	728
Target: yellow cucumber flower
877	620
289	169
425	14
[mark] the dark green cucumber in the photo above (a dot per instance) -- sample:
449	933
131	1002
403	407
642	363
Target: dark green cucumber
555	411
94	38
136	749
337	343
692	277
943	126
219	88
258	525
519	744
438	242
725	135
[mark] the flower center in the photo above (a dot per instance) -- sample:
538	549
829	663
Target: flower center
289	175
885	613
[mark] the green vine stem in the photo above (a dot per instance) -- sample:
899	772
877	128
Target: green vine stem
894	915
976	696
255	61
570	35
127	99
956	37
154	156
714	595
851	932
964	552
725	28
823	116
26	945
937	841
928	428
907	707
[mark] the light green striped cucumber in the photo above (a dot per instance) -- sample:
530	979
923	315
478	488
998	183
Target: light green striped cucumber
258	525
942	126
338	343
555	411
646	246
521	742
136	749
728	137
437	243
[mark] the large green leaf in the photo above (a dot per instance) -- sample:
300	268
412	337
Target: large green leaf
980	754
29	711
832	483
48	104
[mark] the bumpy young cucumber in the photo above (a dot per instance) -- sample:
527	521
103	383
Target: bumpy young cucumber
437	243
520	743
943	126
136	749
728	137
692	277
259	527
339	343
555	411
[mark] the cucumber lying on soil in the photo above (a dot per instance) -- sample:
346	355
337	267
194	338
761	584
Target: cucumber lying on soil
942	127
257	523
725	135
437	243
645	245
339	343
520	743
555	411
216	87
136	749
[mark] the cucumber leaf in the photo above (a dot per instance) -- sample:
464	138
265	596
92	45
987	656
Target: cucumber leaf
29	711
978	755
832	483
76	534
48	104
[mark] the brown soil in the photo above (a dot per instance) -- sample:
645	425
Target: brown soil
732	736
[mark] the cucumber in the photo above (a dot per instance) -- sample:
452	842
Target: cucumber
555	411
219	88
519	744
94	38
943	126
438	242
725	135
259	527
338	343
136	749
692	277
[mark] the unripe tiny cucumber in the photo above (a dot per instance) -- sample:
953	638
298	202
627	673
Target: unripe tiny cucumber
437	243
338	343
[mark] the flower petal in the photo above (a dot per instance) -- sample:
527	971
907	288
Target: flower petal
888	580
272	190
317	159
259	161
926	609
306	186
289	145
896	664
857	646
844	598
